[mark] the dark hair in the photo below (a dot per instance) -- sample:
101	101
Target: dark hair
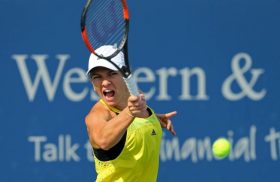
90	74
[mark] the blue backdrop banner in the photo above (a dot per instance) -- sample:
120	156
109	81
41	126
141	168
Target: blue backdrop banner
215	62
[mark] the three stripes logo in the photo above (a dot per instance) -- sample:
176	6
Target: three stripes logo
153	132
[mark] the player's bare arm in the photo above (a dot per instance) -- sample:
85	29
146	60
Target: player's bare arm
105	128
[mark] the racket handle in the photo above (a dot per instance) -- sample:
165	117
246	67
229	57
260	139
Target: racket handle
131	85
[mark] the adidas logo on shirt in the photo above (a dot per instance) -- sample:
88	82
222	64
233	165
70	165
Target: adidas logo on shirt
153	132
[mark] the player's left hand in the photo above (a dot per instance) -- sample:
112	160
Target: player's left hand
165	121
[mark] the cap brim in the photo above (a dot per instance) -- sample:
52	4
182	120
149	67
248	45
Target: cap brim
101	63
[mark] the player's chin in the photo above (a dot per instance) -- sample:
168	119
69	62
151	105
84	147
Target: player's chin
111	101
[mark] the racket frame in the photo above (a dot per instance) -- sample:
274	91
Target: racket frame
125	70
123	44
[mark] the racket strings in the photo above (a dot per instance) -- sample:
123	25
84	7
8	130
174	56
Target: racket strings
105	23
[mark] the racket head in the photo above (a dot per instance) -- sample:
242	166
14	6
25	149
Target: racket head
105	22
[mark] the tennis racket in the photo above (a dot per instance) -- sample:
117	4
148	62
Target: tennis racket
106	22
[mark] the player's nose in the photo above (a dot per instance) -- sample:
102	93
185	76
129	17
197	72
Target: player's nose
106	82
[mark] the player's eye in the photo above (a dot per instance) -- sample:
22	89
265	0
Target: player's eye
95	77
112	73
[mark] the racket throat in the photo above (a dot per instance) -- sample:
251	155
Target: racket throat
125	71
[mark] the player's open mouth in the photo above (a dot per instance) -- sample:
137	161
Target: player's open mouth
108	93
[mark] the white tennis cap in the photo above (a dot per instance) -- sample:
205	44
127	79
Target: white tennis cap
105	50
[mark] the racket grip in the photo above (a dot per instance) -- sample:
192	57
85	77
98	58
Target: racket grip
131	85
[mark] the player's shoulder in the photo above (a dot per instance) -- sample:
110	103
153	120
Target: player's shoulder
97	107
98	111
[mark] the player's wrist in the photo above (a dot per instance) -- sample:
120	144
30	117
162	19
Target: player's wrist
129	113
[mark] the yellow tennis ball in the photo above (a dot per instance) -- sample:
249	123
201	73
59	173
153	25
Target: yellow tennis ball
221	148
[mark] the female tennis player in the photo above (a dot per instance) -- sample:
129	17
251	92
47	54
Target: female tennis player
124	132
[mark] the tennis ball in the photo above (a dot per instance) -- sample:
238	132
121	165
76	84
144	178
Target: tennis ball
221	148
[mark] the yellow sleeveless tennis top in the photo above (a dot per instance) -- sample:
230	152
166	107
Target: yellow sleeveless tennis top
139	158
